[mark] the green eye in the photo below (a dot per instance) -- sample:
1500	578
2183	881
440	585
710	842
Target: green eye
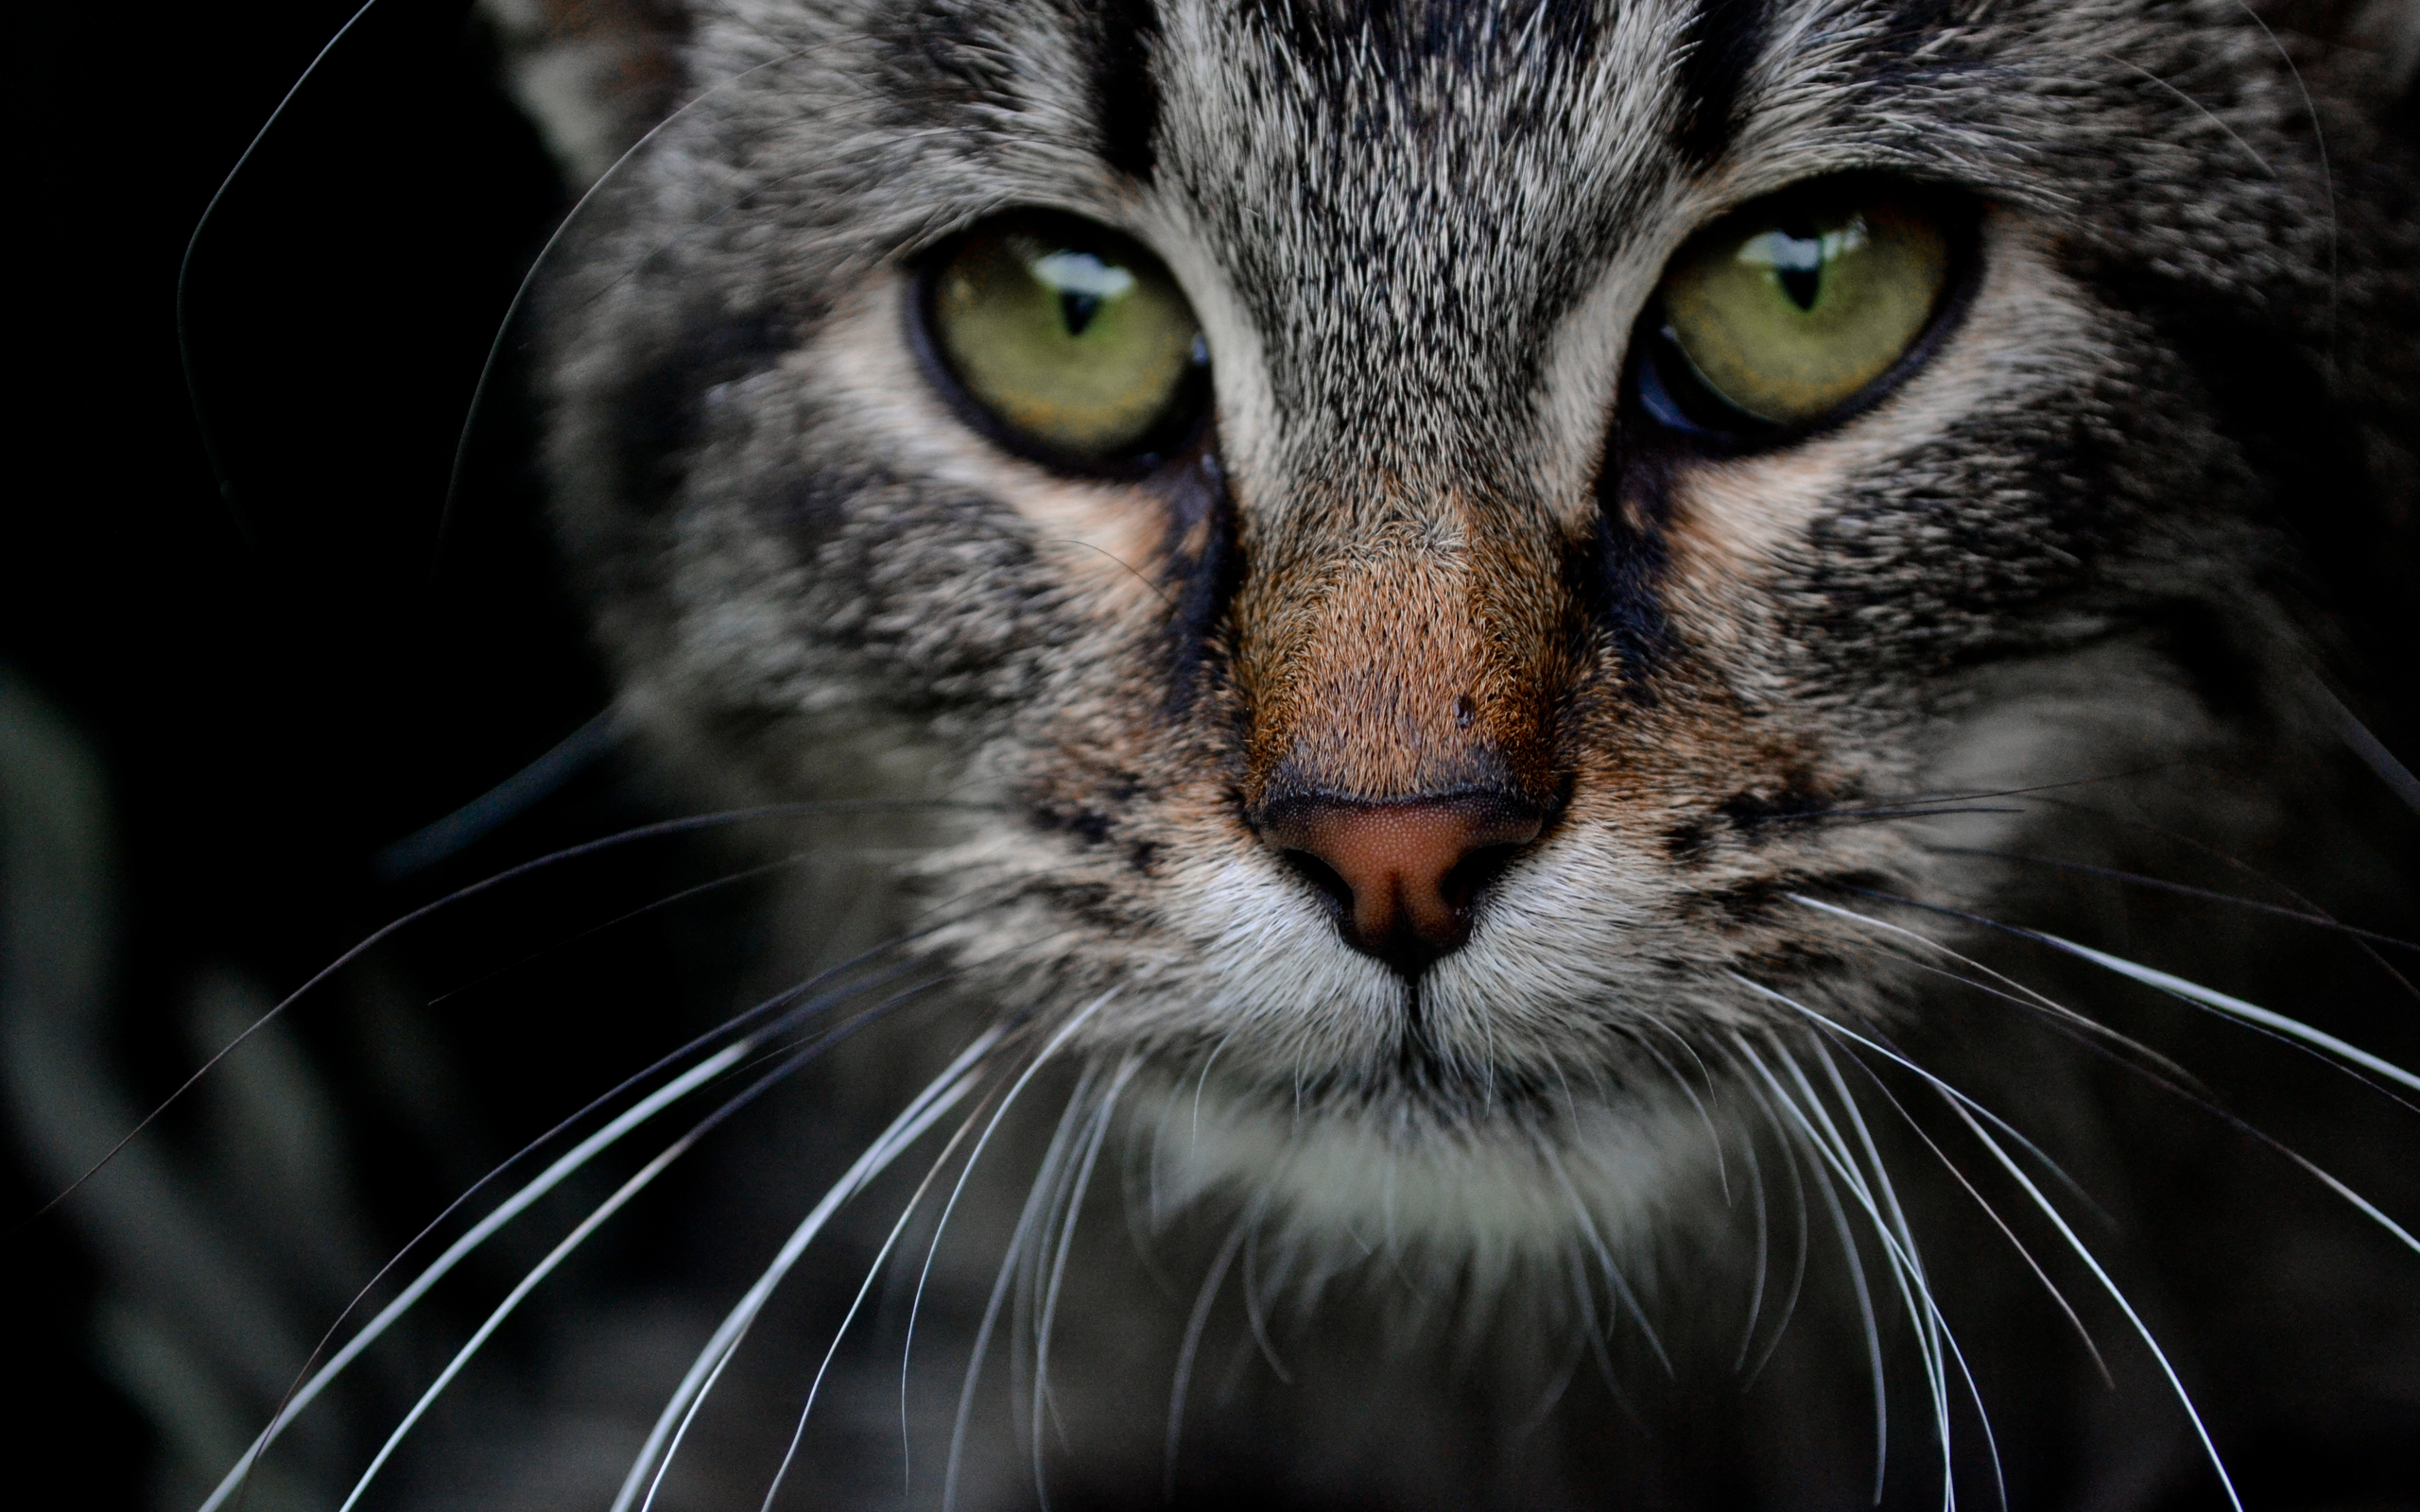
1787	315
1071	336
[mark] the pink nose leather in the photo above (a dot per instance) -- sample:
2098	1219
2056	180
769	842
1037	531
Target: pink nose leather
1406	872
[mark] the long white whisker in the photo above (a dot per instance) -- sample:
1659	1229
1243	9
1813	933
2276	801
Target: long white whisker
2010	989
2177	987
1960	1105
1934	1322
1018	1237
2175	1382
2232	1006
1618	1288
2091	1345
1857	1269
1194	1324
1095	1136
555	1257
2189	991
1788	1148
890	1241
983	1338
933	1248
1252	1307
504	1213
1049	1193
1832	1150
2016	1135
664	1440
1764	1252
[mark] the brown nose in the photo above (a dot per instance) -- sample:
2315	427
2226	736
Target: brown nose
1404	875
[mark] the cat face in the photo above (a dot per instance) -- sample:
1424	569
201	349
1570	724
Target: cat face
1406	710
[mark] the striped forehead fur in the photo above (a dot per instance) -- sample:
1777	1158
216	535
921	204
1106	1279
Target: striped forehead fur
1418	237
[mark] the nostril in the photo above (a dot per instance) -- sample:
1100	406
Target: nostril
1404	875
1320	875
1472	874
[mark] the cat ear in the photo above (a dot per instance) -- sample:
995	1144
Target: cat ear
593	75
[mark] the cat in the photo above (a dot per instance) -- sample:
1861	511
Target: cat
1557	697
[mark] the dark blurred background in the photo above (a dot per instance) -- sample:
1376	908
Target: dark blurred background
281	679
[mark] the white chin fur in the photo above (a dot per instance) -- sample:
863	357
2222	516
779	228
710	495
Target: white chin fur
1488	1193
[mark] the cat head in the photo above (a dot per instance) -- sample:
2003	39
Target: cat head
1429	532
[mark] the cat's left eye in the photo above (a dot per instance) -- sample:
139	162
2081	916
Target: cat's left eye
1796	307
1075	341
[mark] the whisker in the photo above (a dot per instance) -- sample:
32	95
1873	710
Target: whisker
2372	751
1194	1325
2326	174
2175	987
1959	1104
308	1386
530	281
185	276
385	932
2233	1006
2058	1010
1937	1345
1764	1253
2239	865
303	1398
1722	1172
874	1269
1832	1148
1920	806
1049	1193
924	1275
2214	118
1018	1237
459	829
2141	1329
1934	1320
1857	1277
2091	1345
2136	879
1098	1133
1131	571
1584	1315
1617	1287
572	1241
669	900
664	1440
1799	1254
1252	1309
2183	1087
2140	1058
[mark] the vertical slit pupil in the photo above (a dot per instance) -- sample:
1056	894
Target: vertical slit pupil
1800	270
1078	310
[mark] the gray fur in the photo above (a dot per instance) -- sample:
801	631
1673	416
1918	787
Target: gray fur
2075	588
1419	237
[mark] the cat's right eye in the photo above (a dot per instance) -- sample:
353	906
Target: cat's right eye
1070	337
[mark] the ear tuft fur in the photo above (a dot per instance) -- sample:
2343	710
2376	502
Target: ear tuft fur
594	75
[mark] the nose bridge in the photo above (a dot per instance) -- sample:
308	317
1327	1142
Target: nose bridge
1404	648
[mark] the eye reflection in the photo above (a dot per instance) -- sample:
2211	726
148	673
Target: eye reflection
1075	339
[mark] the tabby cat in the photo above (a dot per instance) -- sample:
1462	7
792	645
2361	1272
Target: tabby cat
1543	706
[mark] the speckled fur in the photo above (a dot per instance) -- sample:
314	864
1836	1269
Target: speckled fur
2117	530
